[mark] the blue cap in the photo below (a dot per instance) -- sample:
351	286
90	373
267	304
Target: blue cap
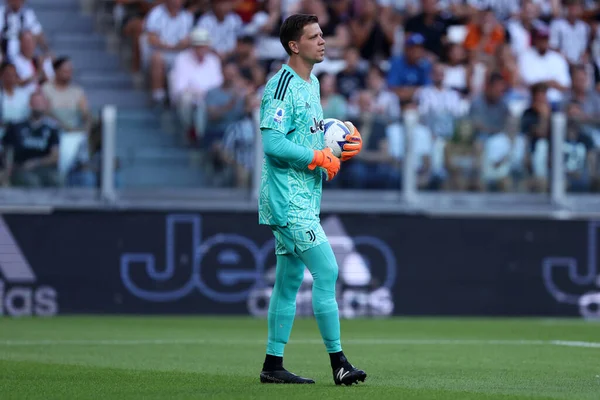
415	39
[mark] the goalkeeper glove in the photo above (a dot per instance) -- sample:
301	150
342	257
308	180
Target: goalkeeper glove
326	160
354	142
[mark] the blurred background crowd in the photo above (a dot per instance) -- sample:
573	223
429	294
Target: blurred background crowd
484	76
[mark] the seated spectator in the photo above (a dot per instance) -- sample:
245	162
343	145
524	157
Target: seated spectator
224	26
536	125
334	104
68	103
372	33
506	65
168	27
374	167
33	71
264	27
195	72
32	148
14	99
489	113
484	35
410	71
245	58
587	115
580	158
457	74
519	28
386	105
569	36
86	170
438	106
238	148
131	14
15	19
542	65
224	106
352	78
462	160
432	23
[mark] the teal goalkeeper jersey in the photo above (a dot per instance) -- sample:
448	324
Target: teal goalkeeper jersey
292	106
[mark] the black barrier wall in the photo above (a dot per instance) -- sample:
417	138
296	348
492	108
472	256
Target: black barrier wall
217	263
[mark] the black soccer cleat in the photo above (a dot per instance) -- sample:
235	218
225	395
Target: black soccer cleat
347	375
283	376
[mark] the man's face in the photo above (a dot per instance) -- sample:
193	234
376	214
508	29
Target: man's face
414	53
14	5
437	74
38	104
9	76
65	72
231	73
496	90
175	4
223	7
542	44
429	6
574	11
27	44
580	81
200	51
311	45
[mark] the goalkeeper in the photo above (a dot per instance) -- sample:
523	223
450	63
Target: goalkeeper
292	127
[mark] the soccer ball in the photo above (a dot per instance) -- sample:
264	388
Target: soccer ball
335	135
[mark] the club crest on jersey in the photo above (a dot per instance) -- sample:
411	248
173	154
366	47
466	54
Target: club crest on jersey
317	126
278	117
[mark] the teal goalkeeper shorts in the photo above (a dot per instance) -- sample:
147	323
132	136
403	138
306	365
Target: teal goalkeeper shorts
297	237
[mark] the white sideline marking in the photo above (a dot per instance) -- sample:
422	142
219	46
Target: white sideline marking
368	342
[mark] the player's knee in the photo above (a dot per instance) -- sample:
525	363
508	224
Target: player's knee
327	275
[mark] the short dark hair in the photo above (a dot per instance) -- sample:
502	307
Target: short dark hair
293	27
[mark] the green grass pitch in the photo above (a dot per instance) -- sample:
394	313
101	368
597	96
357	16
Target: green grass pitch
97	357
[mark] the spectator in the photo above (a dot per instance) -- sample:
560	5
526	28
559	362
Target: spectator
374	167
433	25
224	26
519	28
372	33
131	14
167	26
15	19
587	114
195	72
15	99
410	71
489	113
264	27
32	71
536	125
224	106
506	65
542	65
386	104
462	160
580	160
239	148
334	104
569	36
438	106
352	78
32	148
68	102
457	74
484	35
246	59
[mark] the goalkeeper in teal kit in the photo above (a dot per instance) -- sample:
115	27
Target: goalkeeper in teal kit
295	163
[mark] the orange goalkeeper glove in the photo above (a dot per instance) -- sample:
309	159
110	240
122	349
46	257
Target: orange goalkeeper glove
326	160
354	142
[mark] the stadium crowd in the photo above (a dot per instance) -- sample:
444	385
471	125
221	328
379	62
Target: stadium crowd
484	77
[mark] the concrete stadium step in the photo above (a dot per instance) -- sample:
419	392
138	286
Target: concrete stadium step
94	60
42	5
76	41
119	98
157	176
54	21
143	143
98	80
142	154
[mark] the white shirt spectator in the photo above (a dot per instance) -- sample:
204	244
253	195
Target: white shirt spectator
224	33
551	66
26	69
189	74
170	30
268	47
569	39
520	37
15	108
440	100
12	24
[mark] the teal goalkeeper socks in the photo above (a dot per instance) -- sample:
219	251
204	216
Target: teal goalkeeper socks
282	306
321	263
